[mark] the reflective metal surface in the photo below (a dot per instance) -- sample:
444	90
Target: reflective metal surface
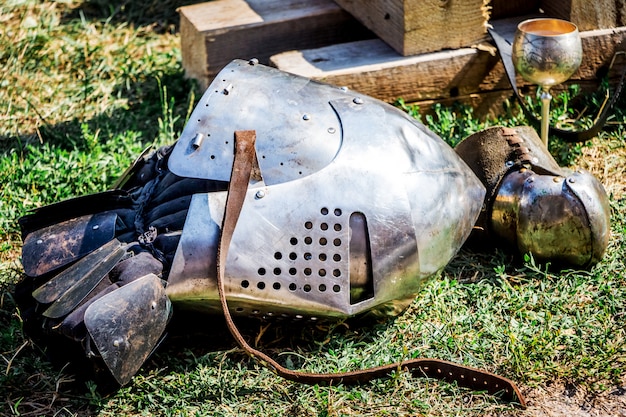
557	219
360	232
547	51
297	132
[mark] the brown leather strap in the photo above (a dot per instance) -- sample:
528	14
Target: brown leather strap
464	376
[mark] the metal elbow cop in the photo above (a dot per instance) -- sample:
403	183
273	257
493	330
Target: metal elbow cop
352	205
533	205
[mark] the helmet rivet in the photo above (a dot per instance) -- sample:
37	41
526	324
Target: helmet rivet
331	130
509	164
95	227
197	140
358	100
39	241
344	89
253	61
530	179
571	180
522	170
556	179
260	194
306	117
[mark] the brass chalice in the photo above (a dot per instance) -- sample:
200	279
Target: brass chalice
546	52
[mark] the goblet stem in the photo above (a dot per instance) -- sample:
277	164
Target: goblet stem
546	98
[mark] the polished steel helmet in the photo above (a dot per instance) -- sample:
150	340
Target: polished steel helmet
354	203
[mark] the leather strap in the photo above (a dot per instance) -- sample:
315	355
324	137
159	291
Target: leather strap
505	49
464	376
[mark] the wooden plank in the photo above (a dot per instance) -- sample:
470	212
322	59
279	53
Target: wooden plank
216	32
417	26
586	14
372	67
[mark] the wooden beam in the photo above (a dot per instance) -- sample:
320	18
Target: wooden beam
216	32
372	67
416	26
586	14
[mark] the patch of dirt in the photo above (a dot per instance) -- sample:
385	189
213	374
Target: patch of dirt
607	162
564	400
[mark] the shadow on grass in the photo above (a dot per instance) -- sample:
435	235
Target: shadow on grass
38	384
160	15
145	108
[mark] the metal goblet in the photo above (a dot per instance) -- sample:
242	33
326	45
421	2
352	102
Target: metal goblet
546	52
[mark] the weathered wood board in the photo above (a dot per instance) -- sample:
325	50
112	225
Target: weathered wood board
216	32
418	26
586	14
325	42
466	74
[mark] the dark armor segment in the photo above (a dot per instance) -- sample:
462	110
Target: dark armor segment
60	244
126	324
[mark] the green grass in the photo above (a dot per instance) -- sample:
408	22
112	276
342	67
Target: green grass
86	86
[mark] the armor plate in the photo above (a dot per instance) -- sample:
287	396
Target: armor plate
356	206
